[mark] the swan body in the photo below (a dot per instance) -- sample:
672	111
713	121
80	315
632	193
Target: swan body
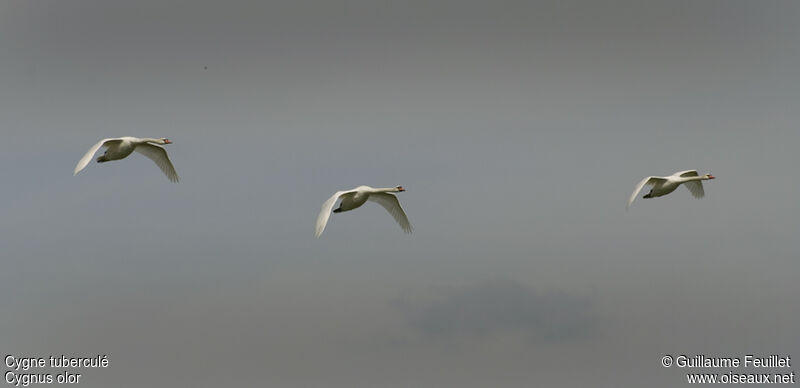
120	147
352	199
665	185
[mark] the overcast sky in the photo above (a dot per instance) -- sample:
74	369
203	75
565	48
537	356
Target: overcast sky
519	130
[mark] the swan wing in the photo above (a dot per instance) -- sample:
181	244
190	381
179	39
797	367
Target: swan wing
651	180
392	205
89	154
325	211
696	188
158	154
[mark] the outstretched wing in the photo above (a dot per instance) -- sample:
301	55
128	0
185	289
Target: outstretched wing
89	154
391	204
651	180
695	187
158	154
325	211
686	173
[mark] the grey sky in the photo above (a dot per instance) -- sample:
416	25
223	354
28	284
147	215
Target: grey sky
519	130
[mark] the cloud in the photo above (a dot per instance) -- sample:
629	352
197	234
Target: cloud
503	306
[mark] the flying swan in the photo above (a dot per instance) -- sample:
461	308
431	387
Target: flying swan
665	185
354	198
120	147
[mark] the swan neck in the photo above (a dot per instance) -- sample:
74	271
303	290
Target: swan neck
696	178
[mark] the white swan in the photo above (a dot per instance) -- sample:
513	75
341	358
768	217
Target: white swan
121	147
354	198
665	185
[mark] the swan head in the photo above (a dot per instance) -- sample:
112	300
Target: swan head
709	176
400	188
164	140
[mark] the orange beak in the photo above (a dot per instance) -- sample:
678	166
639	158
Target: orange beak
711	176
167	141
